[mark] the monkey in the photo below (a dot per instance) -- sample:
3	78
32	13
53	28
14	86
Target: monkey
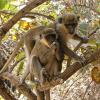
64	26
45	56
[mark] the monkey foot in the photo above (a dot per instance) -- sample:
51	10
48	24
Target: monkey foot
57	80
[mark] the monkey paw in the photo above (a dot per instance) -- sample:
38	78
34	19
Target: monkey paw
85	39
44	76
57	80
44	73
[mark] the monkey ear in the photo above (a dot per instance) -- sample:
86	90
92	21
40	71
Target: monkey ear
60	20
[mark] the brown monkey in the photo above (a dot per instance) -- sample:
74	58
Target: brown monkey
45	56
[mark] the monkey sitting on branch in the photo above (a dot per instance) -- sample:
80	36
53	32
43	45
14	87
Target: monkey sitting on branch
45	57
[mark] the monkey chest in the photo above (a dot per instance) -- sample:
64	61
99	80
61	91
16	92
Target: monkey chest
45	55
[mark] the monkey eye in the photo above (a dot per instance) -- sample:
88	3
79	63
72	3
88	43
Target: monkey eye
72	24
66	25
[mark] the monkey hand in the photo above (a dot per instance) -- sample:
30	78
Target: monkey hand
43	76
85	40
58	79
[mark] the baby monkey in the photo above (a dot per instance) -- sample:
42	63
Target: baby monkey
45	57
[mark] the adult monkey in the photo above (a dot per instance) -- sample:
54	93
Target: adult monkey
45	57
65	28
46	60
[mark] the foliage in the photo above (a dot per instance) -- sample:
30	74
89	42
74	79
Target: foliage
3	3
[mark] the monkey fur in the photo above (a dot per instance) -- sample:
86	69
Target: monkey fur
45	56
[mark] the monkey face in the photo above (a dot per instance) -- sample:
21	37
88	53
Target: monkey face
50	35
70	22
51	38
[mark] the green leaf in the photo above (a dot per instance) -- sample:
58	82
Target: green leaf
20	55
20	68
3	3
92	41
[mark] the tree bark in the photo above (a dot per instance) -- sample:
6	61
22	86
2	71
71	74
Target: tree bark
4	93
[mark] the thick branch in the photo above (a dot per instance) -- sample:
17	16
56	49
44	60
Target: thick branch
65	75
5	28
23	88
4	92
29	14
76	66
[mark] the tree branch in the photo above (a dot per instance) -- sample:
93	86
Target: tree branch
5	28
76	66
13	66
29	14
23	88
4	93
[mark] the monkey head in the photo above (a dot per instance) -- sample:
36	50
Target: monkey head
67	23
49	36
